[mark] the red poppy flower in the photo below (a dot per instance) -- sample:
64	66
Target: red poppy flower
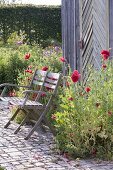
70	98
87	89
109	113
105	52
45	68
104	66
62	59
105	57
75	76
43	94
27	56
29	71
53	116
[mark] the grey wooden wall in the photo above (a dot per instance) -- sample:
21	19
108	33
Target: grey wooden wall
111	25
94	23
91	22
70	32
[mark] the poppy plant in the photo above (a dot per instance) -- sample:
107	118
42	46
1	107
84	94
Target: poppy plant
104	66
70	98
87	89
105	54
62	59
45	68
29	71
27	56
75	76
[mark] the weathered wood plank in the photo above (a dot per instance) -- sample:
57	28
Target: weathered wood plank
111	25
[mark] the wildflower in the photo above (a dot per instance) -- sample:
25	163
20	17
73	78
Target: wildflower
70	98
29	71
53	116
45	68
104	66
105	54
87	89
75	76
109	113
105	57
27	56
62	59
43	94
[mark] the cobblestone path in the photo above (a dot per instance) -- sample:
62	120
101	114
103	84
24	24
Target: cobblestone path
38	153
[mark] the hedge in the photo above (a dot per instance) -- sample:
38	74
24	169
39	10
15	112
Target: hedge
39	23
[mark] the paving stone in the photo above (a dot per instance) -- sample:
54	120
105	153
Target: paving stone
38	153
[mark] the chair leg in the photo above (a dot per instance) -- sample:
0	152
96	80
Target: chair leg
35	127
12	118
22	123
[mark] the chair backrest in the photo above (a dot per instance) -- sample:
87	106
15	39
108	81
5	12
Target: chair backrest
45	81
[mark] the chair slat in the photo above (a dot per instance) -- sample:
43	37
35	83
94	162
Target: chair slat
37	83
39	78
52	80
41	72
53	75
51	86
19	101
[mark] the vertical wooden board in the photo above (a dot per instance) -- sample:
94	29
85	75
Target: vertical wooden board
77	56
100	30
70	31
111	25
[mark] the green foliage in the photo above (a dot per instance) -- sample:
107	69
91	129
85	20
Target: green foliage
39	24
84	120
1	168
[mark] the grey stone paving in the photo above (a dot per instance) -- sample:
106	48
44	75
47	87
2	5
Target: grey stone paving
38	153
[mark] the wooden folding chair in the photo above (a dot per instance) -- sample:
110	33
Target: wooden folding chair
43	83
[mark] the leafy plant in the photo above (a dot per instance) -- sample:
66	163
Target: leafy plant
84	120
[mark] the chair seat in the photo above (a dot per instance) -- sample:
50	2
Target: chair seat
17	101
